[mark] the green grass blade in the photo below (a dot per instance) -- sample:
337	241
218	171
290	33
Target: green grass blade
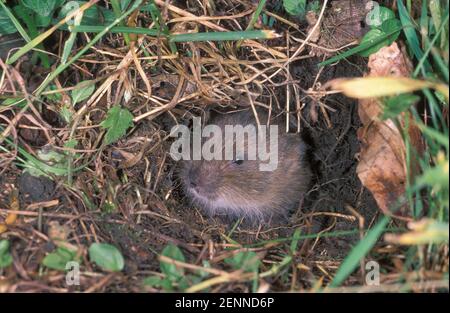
442	67
158	19
351	262
256	15
30	161
254	18
223	36
441	138
116	29
295	240
207	36
117	12
16	23
334	234
424	20
411	35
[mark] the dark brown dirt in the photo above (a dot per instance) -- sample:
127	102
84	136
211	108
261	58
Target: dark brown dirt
335	151
35	189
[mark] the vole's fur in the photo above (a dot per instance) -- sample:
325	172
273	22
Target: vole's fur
241	189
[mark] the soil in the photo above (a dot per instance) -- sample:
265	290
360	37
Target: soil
35	189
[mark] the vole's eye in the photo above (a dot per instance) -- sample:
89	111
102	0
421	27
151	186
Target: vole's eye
237	162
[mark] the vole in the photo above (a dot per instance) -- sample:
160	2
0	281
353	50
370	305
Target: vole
238	187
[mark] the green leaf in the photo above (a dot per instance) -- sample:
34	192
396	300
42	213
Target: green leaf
54	97
362	47
295	7
117	121
82	91
50	161
167	284
31	19
389	31
247	261
396	105
43	21
313	6
152	281
6	26
59	258
59	3
173	272
37	168
370	38
109	207
25	14
202	273
124	4
71	144
107	15
5	257
378	15
91	16
51	156
185	283
19	102
106	256
68	45
391	26
41	7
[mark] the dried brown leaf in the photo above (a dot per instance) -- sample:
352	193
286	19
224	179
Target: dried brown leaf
382	167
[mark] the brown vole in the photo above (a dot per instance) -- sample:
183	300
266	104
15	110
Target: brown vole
238	187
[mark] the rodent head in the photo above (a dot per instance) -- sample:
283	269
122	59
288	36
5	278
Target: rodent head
239	187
